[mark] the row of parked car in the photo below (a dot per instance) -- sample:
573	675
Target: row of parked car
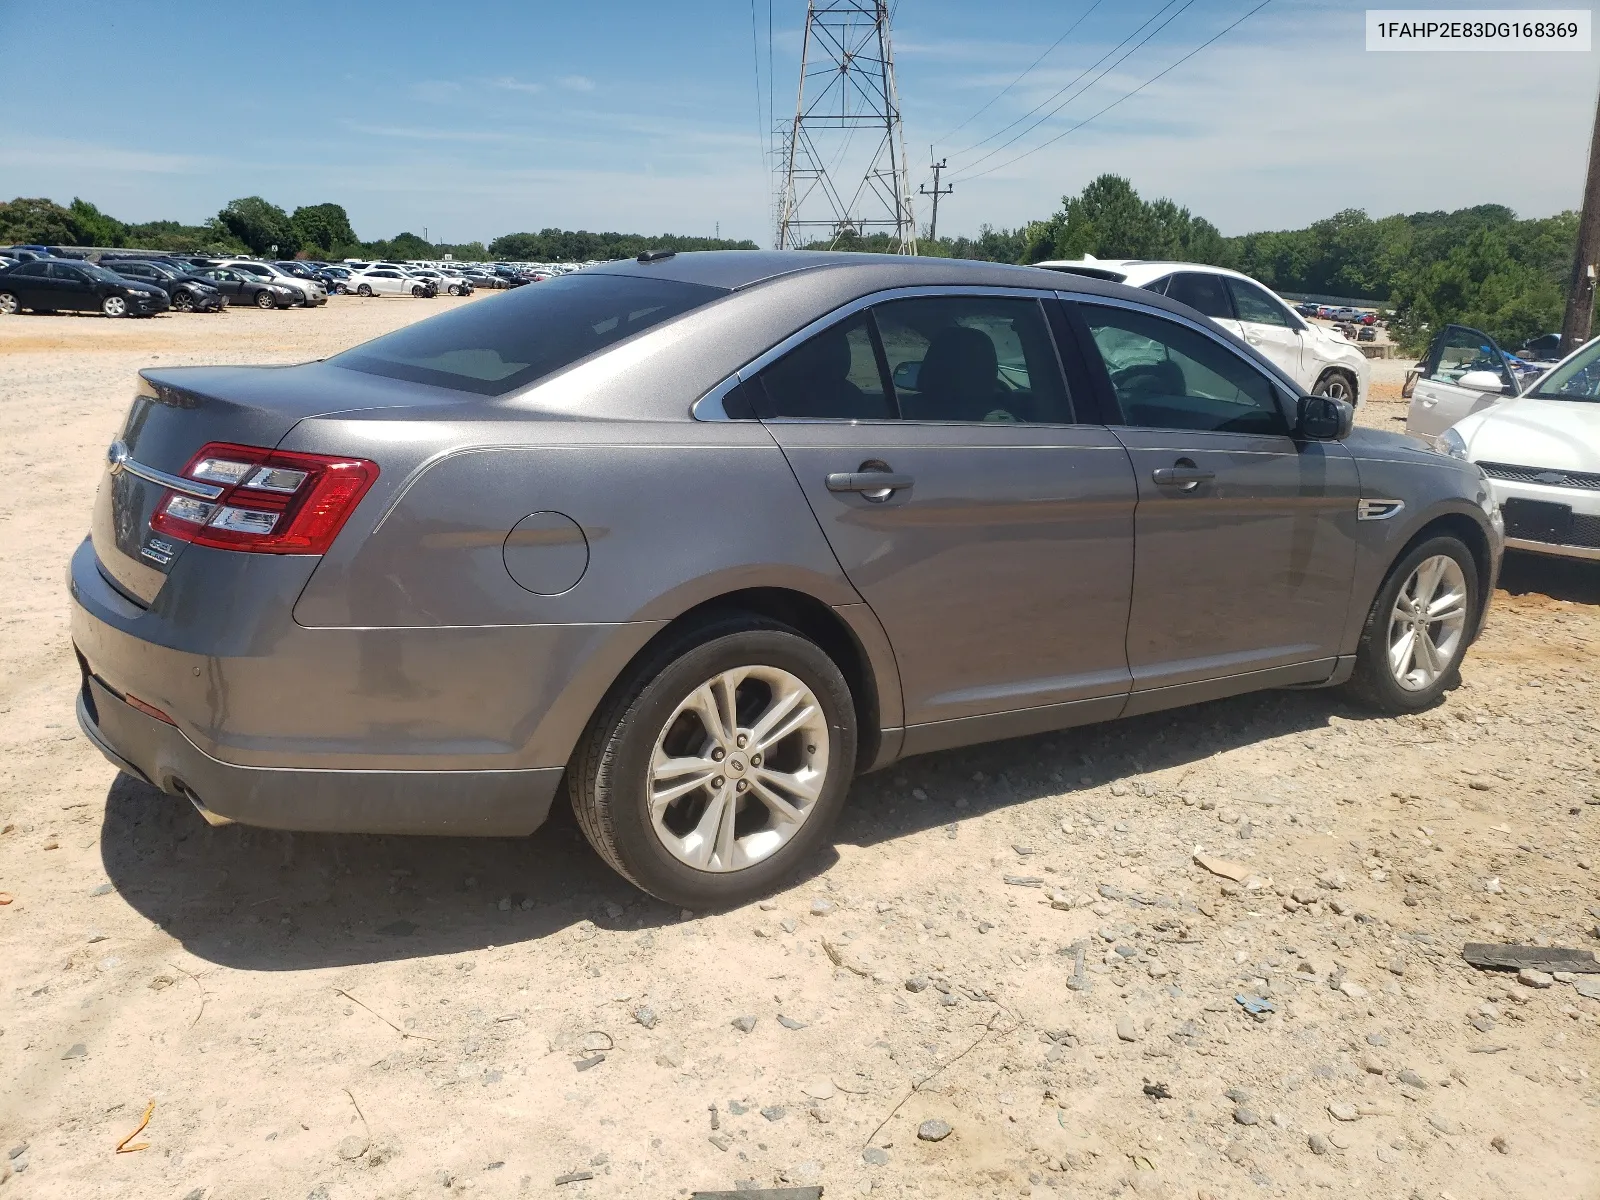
140	283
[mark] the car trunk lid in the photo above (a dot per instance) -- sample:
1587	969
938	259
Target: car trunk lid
174	414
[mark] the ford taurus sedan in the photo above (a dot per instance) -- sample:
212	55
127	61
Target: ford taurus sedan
685	541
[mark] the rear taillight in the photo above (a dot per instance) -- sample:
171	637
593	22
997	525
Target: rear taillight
270	501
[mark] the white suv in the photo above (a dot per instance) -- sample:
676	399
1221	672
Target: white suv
1322	361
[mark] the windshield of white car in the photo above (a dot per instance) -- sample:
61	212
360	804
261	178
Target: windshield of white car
1576	379
506	342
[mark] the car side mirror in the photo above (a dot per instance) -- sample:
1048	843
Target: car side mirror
1482	381
1324	418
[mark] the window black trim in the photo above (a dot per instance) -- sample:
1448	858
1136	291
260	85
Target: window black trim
885	376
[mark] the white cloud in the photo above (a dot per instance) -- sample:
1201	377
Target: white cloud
576	83
507	83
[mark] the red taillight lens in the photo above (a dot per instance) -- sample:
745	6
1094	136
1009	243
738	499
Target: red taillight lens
272	501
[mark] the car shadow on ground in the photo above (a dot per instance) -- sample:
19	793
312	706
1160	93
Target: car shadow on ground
263	900
1575	580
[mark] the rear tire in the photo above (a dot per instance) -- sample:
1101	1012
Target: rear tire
9	306
623	771
1430	593
364	289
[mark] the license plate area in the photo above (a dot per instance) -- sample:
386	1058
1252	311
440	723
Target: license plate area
1537	520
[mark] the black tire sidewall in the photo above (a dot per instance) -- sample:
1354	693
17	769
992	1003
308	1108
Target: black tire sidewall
1328	377
622	778
1376	680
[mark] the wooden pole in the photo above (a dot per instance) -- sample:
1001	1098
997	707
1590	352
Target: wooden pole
1575	325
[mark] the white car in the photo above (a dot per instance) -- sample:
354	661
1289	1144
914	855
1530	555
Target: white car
446	281
312	290
1322	361
1539	444
386	280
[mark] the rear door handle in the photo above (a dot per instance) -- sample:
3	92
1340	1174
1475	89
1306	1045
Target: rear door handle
868	481
1187	478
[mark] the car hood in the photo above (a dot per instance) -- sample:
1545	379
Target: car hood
1529	432
1384	443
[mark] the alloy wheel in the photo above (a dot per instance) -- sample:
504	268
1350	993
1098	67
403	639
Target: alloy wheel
1338	387
114	306
8	305
1428	623
738	768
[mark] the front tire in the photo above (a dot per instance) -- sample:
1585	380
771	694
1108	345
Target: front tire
114	306
183	302
1418	628
717	767
265	300
1337	384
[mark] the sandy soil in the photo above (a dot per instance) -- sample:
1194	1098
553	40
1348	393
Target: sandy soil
339	1017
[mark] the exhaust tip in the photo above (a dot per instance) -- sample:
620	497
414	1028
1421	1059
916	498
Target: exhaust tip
213	819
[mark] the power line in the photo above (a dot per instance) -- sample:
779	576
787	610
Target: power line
1067	87
1001	94
1125	96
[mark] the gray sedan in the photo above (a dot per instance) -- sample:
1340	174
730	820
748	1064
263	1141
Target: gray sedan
692	540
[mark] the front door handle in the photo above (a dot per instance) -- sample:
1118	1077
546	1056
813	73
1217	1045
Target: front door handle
1186	476
868	481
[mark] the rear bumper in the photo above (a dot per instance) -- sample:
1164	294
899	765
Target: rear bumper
364	730
456	803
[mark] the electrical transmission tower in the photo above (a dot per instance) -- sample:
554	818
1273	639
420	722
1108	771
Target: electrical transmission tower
846	88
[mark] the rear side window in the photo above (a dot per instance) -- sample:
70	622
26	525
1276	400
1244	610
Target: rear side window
832	376
1202	292
972	359
508	341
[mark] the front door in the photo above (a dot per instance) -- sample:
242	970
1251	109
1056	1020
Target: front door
1269	326
71	289
989	532
1438	401
1244	534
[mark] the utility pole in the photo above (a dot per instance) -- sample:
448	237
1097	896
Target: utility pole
1575	325
933	226
846	86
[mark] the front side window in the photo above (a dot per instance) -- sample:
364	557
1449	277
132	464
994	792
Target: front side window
1168	376
972	359
1459	350
1202	292
831	376
512	340
74	274
1254	304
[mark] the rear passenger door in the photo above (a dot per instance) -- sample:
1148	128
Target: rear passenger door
987	526
1244	534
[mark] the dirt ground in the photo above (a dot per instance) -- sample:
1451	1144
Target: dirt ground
1015	940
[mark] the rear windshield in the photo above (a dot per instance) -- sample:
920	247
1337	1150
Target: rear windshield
500	343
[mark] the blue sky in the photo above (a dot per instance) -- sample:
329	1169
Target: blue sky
481	117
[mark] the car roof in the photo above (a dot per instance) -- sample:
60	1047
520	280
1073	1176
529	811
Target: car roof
1135	272
736	269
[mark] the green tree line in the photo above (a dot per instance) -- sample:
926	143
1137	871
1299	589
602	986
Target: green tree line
1482	266
252	225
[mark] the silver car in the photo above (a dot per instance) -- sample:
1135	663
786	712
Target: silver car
687	542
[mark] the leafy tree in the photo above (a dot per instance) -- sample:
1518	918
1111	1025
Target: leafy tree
321	230
37	221
260	225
